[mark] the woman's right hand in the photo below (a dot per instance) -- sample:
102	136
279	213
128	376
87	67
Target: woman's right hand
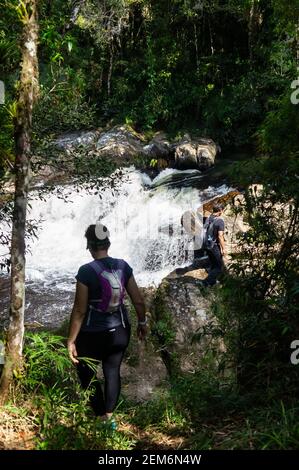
72	352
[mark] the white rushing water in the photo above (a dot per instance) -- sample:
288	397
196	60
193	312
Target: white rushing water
138	219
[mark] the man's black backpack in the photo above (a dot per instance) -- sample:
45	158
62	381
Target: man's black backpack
208	239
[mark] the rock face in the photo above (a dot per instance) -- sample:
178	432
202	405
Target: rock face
178	311
120	142
198	154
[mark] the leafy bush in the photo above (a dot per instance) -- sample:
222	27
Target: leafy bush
46	361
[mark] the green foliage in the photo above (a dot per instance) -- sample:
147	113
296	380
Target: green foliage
280	130
160	411
153	162
93	166
270	427
257	306
65	420
162	327
163	331
46	361
203	408
181	64
157	64
68	110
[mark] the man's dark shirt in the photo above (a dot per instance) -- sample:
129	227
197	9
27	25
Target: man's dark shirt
218	226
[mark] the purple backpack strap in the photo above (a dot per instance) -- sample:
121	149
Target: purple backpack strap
97	267
112	285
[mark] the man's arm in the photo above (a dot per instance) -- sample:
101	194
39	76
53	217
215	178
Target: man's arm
221	242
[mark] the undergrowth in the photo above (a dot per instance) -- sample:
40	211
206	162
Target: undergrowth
192	411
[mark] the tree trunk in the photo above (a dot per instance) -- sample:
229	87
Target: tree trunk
110	69
253	24
196	48
28	91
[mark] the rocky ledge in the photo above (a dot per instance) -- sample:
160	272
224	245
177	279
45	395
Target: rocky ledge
123	144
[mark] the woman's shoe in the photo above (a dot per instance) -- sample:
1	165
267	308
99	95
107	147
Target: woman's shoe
108	426
113	424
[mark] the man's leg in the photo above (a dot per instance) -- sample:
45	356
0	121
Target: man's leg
216	266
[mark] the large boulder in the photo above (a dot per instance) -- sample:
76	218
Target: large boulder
195	154
178	311
120	143
159	147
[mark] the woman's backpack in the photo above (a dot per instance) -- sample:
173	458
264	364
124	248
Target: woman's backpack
112	286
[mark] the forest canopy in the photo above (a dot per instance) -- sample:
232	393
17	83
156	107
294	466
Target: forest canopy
162	64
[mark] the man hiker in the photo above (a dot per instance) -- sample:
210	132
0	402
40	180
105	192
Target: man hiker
214	244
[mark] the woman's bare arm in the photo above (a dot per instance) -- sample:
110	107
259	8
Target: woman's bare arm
77	316
139	305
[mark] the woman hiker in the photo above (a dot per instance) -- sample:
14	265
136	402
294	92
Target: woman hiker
99	326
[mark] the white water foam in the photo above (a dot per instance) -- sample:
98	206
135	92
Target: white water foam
138	219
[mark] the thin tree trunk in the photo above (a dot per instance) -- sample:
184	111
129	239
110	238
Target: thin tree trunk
110	70
211	37
196	48
253	23
28	91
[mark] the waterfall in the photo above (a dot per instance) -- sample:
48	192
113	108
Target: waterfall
144	224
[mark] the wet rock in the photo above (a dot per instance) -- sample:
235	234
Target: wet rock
231	197
169	176
122	145
74	139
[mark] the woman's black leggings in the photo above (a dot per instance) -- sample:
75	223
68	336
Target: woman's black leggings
108	347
